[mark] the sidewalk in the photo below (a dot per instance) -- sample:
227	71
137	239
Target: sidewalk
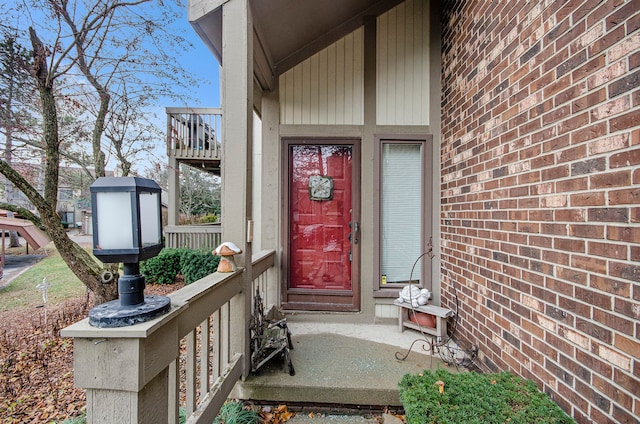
14	265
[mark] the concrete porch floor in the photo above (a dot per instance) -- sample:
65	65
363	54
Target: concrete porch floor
337	363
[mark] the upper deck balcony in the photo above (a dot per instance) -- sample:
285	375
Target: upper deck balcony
194	137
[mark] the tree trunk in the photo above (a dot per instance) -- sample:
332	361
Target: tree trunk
81	263
14	241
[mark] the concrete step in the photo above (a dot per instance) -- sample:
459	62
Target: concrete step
336	369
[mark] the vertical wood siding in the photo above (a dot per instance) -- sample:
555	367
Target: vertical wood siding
327	88
403	65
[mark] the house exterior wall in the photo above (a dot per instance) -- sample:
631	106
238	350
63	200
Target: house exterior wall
403	65
540	189
328	88
382	79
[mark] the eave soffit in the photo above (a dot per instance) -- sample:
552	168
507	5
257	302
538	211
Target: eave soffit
286	32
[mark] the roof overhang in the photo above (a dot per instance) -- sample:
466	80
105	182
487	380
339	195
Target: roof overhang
32	234
286	32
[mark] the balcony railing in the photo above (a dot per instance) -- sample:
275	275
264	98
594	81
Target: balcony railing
194	136
190	358
203	236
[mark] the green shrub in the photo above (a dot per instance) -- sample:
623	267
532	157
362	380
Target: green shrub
233	412
192	264
82	419
470	397
208	218
163	268
197	264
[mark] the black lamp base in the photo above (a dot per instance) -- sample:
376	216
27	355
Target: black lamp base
113	314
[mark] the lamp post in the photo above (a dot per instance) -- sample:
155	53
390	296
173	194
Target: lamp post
127	228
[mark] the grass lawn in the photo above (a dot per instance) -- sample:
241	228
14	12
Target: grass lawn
21	292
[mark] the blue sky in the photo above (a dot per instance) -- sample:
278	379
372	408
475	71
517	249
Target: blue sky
204	65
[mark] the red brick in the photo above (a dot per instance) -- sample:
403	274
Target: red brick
595	398
633	23
624	122
574	307
542	215
626	344
574	184
589	100
621	14
569	245
587	231
542	161
570	215
607	250
534	114
613	321
623	416
627	271
480	85
624	159
630	196
594	364
590	68
626	234
607	40
556	115
575	153
556	257
589	327
609	285
554	229
588	199
557	143
589	263
635	214
626	381
634	252
635	137
610	179
573	122
570	274
555	173
590	132
572	33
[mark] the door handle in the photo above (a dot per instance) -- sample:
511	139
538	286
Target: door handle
356	229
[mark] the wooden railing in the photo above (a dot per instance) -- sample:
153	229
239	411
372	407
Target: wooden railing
194	133
189	358
205	236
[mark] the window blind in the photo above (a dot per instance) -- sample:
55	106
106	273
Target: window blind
401	211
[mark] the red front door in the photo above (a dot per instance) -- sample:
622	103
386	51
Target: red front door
323	228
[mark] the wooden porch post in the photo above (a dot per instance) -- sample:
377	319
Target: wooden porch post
237	129
270	181
124	370
173	205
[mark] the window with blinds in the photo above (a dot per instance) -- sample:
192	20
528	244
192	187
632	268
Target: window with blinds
401	211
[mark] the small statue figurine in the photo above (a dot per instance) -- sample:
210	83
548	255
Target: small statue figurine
227	262
414	295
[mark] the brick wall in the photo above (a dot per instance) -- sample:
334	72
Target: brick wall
540	194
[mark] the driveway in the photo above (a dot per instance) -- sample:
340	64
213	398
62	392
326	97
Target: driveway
15	265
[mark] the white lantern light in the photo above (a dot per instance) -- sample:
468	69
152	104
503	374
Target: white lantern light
127	228
127	223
